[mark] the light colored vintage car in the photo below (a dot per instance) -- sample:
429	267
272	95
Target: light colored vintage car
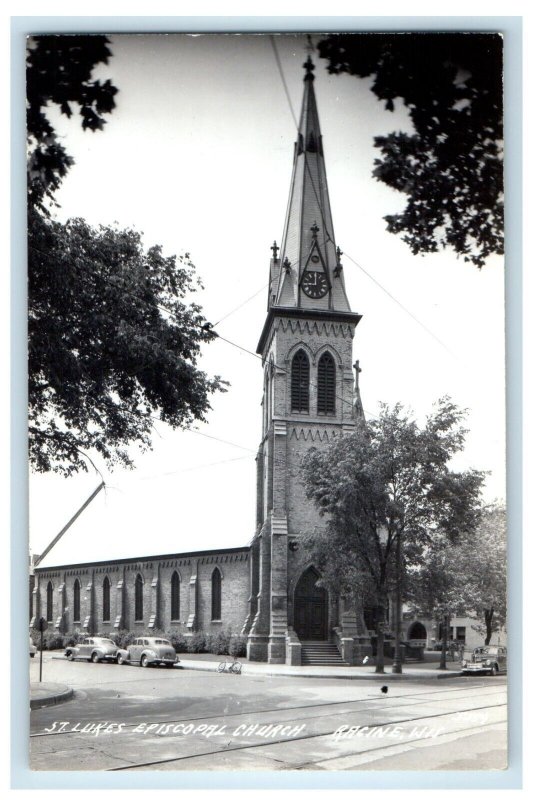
93	648
489	660
33	649
148	650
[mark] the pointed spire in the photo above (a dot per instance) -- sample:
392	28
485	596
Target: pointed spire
308	241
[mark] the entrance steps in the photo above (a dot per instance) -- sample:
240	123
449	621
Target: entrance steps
321	654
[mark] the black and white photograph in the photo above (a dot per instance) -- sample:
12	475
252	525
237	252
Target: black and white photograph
266	402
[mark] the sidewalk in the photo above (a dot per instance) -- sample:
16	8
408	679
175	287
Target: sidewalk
48	694
410	670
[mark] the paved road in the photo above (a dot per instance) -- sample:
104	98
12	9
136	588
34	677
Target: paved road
133	718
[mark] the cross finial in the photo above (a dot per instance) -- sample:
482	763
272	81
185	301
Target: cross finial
338	267
275	249
357	369
314	229
309	67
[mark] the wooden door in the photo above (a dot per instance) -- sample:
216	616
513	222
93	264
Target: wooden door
310	607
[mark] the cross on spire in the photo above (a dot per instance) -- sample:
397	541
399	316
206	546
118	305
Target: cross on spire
357	369
275	249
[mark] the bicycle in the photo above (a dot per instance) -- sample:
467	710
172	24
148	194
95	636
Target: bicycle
230	666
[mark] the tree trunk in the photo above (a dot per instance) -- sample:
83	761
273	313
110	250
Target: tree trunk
380	656
489	614
442	664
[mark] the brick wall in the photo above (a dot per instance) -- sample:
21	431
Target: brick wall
157	576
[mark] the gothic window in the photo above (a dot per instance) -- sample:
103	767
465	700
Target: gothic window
300	382
139	599
326	385
175	596
216	594
76	610
106	600
49	602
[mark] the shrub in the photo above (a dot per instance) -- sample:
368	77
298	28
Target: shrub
123	638
237	646
219	643
52	640
178	641
197	643
73	638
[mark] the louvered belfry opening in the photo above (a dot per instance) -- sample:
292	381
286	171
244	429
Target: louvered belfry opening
326	385
300	382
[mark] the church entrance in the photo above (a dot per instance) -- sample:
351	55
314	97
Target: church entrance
417	631
310	607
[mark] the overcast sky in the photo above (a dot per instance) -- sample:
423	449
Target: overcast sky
198	156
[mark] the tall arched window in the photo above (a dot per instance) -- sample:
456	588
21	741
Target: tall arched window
49	602
76	609
300	382
175	596
106	600
216	594
139	599
326	385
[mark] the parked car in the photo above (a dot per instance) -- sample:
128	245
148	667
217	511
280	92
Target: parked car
33	649
93	648
489	660
146	651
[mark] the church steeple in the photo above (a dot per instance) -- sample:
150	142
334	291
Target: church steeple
308	274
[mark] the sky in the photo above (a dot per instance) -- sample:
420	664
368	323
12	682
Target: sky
198	156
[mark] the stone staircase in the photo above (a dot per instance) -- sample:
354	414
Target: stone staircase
323	654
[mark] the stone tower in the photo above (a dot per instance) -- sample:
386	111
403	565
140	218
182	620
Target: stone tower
309	397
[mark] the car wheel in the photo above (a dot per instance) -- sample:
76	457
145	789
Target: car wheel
144	661
494	670
95	658
120	659
169	666
32	655
70	655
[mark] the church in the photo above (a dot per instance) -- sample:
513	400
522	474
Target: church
266	591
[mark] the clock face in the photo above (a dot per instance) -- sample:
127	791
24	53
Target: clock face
314	284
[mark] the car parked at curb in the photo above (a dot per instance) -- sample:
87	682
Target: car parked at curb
148	651
93	648
488	660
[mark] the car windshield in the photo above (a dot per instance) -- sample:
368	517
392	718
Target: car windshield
161	641
106	641
490	651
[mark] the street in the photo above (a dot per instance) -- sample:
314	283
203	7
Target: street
125	717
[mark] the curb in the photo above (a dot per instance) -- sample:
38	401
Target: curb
52	699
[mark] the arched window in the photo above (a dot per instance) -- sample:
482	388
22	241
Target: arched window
300	382
106	600
76	609
49	602
216	594
175	596
326	385
138	599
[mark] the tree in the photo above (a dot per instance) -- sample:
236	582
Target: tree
451	167
389	479
112	342
470	575
59	72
